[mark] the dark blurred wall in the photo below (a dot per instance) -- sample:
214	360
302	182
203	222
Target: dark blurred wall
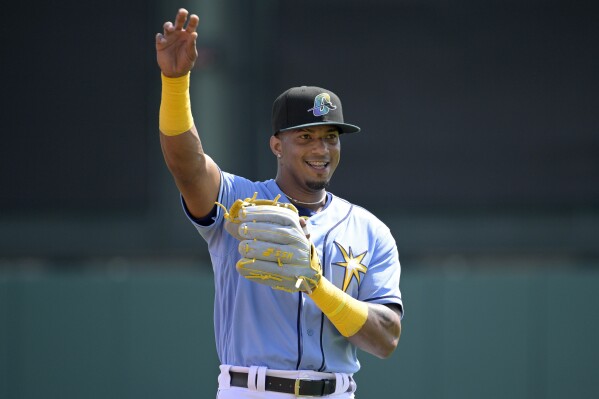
470	111
75	106
462	103
80	166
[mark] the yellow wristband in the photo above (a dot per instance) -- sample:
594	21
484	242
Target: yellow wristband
345	312
175	107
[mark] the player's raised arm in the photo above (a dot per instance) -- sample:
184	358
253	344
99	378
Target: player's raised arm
195	173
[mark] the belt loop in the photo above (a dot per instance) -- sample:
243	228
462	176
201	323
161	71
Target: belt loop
341	383
224	378
352	384
252	377
261	382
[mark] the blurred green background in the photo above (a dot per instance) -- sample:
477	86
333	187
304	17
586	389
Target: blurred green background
479	149
466	334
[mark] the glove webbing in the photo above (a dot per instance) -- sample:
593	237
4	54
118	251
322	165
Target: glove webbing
232	215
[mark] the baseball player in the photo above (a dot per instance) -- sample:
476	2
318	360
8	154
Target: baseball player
277	339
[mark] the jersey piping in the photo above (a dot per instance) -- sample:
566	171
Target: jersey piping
324	262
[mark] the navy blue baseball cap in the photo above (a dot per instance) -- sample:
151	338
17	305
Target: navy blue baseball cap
306	106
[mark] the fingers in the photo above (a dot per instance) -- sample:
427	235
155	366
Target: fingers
268	251
194	21
180	19
272	233
192	25
179	25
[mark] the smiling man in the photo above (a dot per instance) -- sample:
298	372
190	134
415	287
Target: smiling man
306	127
271	343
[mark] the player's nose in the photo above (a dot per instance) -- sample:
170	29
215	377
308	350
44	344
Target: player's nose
320	146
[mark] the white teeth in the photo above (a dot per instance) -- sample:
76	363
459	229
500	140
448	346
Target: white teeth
317	163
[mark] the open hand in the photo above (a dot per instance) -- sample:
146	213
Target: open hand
176	50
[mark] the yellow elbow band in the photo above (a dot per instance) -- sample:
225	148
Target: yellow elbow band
345	312
175	107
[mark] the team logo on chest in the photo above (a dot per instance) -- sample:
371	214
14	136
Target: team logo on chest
353	265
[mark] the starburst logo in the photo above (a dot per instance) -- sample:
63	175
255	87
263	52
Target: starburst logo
353	265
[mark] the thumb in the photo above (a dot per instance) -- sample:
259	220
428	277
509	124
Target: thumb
160	38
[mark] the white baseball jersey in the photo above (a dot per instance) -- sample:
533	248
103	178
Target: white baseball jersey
256	325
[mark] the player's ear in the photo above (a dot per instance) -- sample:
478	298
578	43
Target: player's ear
275	145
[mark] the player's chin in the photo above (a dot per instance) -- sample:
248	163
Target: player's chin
318	185
318	179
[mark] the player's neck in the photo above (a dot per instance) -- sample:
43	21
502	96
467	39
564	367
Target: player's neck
319	202
313	201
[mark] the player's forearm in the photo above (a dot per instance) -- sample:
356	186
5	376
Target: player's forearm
372	327
179	138
196	175
380	334
175	116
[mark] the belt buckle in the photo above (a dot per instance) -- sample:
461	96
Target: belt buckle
296	387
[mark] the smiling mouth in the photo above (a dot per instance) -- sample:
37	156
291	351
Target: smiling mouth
317	164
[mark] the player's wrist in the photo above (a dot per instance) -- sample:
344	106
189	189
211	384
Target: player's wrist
345	312
175	105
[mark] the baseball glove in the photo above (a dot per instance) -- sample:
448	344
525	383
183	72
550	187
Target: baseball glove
274	246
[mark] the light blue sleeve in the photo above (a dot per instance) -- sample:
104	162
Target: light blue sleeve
381	282
232	188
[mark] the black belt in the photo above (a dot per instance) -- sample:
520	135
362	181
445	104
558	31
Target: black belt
298	387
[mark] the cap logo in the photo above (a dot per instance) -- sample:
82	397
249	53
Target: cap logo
322	105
